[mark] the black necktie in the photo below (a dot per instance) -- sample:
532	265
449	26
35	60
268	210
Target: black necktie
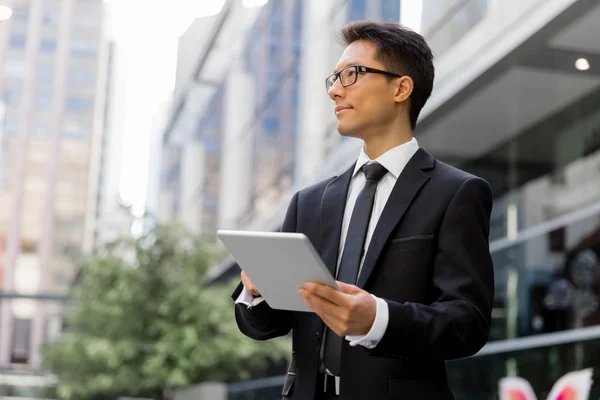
352	254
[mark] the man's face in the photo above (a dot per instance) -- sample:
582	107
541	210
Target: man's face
368	105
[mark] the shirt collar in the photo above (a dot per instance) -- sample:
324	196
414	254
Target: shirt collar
394	160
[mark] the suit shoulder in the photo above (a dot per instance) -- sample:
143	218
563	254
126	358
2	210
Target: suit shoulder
315	189
455	175
450	179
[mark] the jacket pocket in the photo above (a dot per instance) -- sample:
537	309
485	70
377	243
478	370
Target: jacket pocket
412	243
290	377
409	238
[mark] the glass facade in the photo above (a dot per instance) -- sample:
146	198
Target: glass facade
380	10
478	377
272	59
445	22
45	165
547	280
544	165
210	132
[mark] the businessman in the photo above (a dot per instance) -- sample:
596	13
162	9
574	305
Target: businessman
405	235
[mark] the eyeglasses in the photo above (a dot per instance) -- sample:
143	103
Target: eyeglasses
348	75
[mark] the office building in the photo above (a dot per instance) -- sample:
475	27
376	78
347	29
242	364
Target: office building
53	79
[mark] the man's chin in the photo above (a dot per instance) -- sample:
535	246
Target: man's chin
344	131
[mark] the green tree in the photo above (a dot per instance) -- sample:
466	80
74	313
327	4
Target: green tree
140	320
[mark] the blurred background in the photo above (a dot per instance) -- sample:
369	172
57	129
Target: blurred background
130	129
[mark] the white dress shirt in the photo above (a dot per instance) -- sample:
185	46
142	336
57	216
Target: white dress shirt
394	160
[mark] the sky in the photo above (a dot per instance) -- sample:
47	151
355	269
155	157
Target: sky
146	33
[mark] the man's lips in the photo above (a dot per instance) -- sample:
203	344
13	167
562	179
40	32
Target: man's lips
341	108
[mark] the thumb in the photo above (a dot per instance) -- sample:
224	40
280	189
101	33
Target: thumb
346	288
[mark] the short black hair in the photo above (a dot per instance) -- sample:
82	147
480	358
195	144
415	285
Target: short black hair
402	51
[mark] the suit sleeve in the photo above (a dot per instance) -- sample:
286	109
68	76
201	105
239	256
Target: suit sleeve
261	322
458	323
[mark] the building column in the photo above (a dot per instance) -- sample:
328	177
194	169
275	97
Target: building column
237	146
319	56
13	243
193	170
45	253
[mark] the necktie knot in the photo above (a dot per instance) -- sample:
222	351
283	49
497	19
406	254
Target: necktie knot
374	171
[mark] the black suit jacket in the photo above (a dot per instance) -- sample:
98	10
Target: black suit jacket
428	259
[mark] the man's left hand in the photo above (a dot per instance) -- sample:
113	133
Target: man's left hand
349	311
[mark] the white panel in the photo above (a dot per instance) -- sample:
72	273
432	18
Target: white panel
506	26
511	103
236	159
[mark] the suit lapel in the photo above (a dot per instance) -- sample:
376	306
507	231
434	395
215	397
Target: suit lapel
333	205
409	183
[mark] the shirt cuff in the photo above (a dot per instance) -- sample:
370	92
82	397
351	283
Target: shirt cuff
248	299
380	324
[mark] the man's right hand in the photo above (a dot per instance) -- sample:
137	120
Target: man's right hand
249	285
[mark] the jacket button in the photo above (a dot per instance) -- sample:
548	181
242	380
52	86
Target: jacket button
317	337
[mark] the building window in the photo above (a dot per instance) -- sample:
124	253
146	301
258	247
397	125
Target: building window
10	127
48	45
51	18
271	125
357	10
390	10
444	26
86	21
17	41
45	72
78	104
39	130
14	68
82	49
74	130
210	202
21	14
12	98
43	101
81	77
20	342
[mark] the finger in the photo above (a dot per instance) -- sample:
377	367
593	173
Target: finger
349	289
328	319
312	297
249	285
326	292
322	306
245	278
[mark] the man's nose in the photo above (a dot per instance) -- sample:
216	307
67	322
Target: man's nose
336	90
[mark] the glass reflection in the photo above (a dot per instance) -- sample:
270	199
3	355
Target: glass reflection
550	282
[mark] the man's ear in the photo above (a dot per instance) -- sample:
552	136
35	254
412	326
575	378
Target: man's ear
404	88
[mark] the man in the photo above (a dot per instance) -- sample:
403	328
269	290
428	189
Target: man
405	235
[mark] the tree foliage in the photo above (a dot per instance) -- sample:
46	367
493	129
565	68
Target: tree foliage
141	320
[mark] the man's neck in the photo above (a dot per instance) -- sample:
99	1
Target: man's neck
376	146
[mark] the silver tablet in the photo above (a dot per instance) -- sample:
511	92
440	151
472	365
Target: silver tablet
278	264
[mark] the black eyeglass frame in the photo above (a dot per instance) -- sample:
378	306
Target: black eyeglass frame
358	69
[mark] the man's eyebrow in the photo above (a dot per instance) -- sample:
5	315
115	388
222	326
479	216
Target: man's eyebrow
349	64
